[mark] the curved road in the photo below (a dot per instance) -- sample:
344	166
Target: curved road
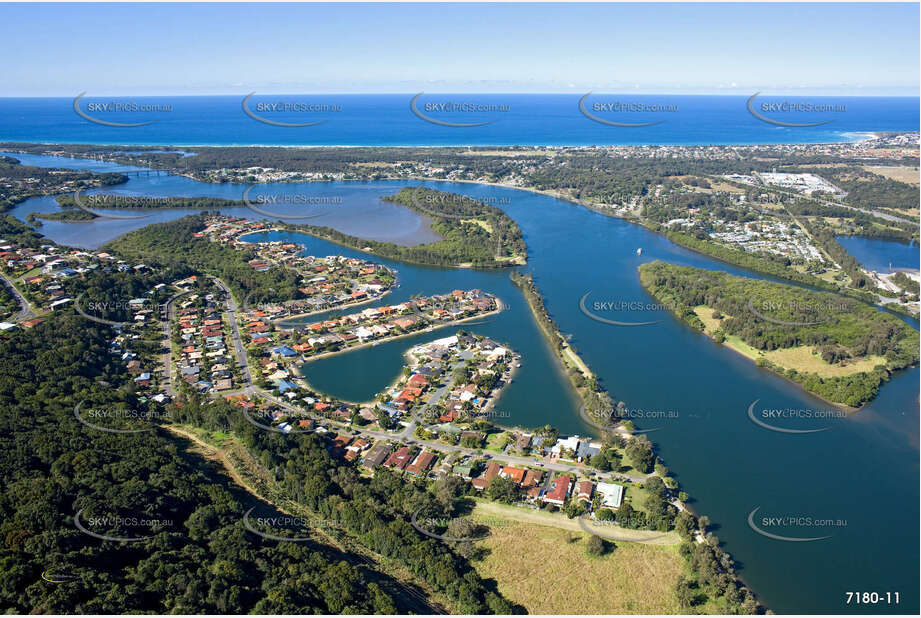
25	308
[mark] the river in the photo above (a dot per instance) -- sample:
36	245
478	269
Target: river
862	473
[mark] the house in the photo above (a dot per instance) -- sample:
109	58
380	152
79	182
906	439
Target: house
587	450
417	380
559	490
399	459
584	490
492	471
462	470
516	474
532	479
613	494
59	303
523	442
422	463
284	351
367	414
285	385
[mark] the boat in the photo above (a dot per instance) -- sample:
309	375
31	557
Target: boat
639	251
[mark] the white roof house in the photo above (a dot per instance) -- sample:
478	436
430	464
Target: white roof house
613	494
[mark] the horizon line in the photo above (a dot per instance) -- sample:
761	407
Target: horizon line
779	92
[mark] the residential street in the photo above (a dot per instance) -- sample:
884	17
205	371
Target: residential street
25	309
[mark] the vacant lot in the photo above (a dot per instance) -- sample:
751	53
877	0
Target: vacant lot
548	571
896	172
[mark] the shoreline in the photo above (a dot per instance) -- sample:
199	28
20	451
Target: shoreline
160	147
850	410
500	307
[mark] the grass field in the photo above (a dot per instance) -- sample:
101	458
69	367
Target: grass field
494	441
896	172
804	358
547	571
801	358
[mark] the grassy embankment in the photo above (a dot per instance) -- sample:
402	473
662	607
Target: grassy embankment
597	402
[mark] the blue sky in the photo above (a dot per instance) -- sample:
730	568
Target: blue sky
169	49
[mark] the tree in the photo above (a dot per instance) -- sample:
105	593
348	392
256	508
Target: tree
639	453
574	507
604	515
703	522
685	525
685	593
595	546
655	486
502	489
600	462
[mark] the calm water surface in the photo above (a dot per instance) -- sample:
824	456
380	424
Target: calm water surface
882	255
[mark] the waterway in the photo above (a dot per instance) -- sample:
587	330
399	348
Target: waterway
862	472
883	256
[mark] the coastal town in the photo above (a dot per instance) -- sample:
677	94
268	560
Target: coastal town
240	332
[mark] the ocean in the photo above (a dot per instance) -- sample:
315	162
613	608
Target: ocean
494	119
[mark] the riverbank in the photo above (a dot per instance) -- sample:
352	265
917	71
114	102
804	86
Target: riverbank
580	376
428	329
833	364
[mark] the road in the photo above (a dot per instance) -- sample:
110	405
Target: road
242	359
166	320
25	308
874	213
404	436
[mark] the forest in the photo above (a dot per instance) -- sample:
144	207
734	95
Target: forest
174	245
199	558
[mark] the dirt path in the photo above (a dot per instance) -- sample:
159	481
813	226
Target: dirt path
556	520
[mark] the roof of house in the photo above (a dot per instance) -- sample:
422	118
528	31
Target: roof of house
422	463
532	478
559	488
516	474
612	492
399	459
